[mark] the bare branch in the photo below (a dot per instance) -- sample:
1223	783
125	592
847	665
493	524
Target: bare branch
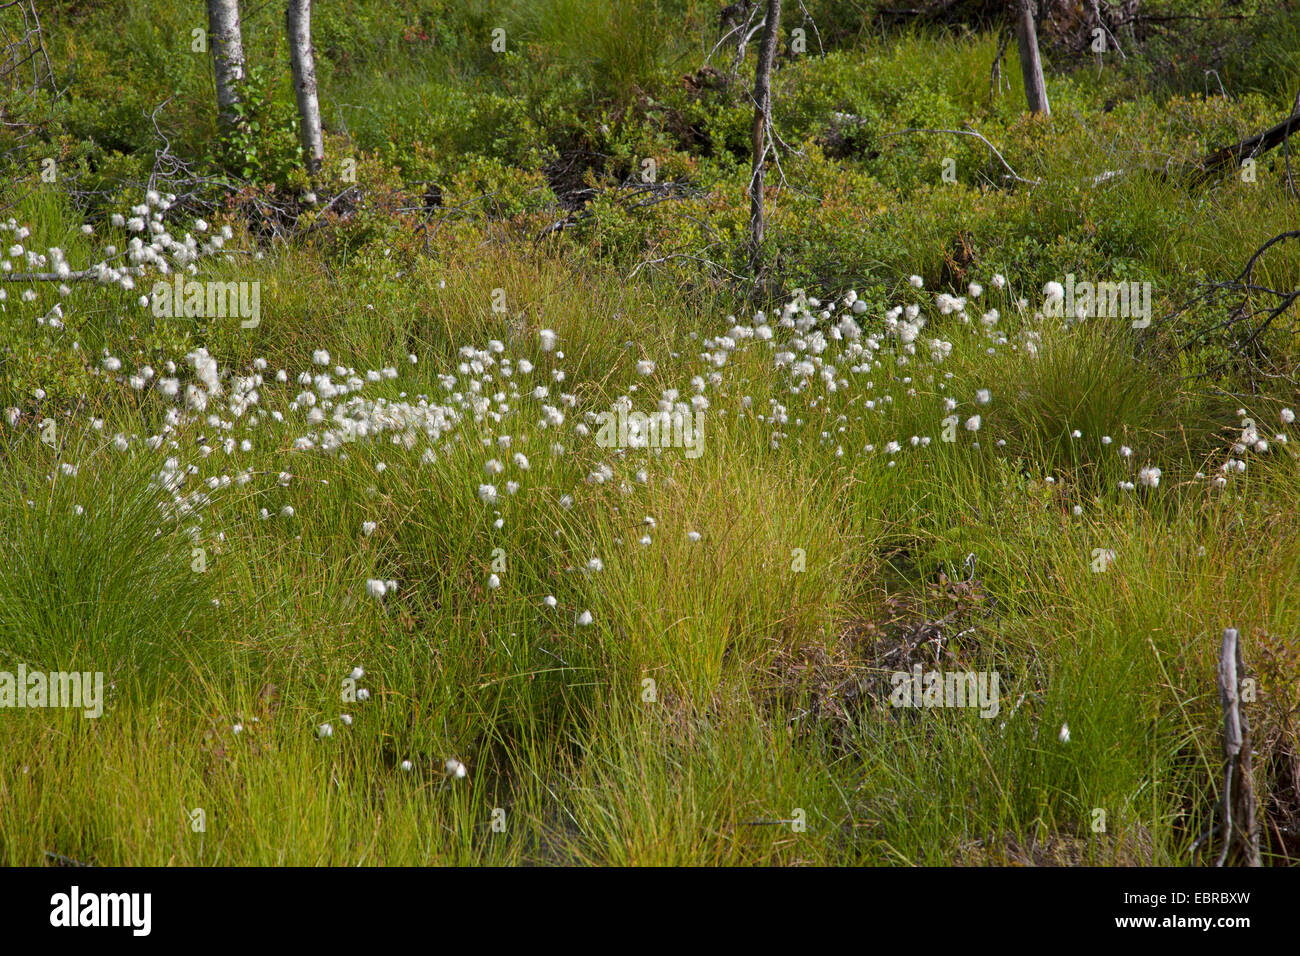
970	132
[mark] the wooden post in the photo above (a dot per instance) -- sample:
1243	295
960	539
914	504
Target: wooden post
1031	66
1240	834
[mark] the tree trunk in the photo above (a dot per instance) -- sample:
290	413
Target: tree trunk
304	83
762	117
227	57
1031	67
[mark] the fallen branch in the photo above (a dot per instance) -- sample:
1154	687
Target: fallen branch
81	275
1248	148
1242	312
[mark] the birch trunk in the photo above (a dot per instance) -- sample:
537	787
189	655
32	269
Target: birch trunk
762	118
304	83
227	57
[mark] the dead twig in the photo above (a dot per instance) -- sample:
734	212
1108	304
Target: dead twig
1257	320
970	132
995	71
684	255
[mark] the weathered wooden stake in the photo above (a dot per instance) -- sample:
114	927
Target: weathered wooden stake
1031	65
1240	834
